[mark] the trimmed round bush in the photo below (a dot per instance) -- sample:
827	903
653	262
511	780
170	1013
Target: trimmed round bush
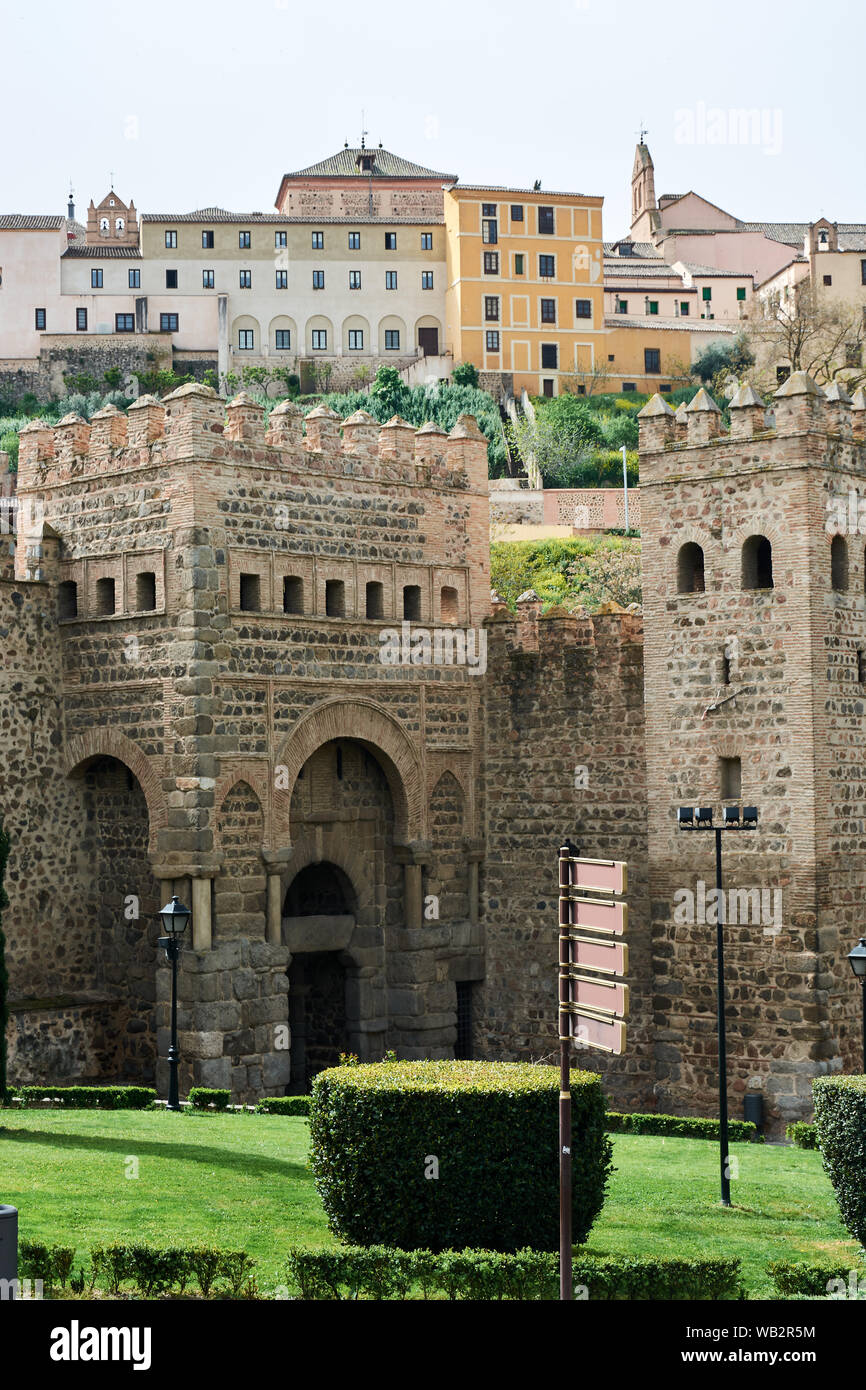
840	1118
446	1155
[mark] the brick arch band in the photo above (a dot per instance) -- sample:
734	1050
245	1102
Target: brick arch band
110	743
366	723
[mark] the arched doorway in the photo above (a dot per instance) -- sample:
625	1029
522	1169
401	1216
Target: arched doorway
319	917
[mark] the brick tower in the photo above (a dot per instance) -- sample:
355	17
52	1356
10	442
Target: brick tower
755	681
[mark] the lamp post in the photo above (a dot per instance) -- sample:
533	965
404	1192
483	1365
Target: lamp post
701	818
174	917
857	957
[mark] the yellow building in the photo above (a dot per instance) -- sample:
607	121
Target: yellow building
525	291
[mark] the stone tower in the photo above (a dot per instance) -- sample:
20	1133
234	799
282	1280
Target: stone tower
246	664
644	209
755	678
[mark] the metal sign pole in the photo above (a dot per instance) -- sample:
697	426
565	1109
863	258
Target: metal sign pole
565	986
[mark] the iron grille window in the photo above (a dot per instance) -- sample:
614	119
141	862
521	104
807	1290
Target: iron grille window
488	209
40	318
652	360
463	1043
548	311
81	320
517	212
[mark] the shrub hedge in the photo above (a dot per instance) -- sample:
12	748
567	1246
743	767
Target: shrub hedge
378	1272
802	1134
811	1278
284	1105
443	1155
202	1097
90	1097
681	1126
50	1263
153	1270
840	1119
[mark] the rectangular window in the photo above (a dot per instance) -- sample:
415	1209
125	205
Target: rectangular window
491	262
828	279
730	770
426	241
96	279
548	311
246	339
282	339
319	337
621	306
517	212
426	279
207	241
546	225
863	272
390	279
652	306
390	241
518	264
244	241
335	598
245	279
282	279
685	309
356	340
318	279
629	386
583	308
81	320
549	355
171	240
171	279
547	267
40	318
250	593
207	279
490	231
318	241
463	1042
354	279
706	293
392	340
492	340
135	279
488	209
279	239
491	308
354	241
293	594
741	291
168	323
652	361
124	323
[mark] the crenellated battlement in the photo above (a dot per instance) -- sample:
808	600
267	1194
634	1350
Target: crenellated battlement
835	421
195	424
552	634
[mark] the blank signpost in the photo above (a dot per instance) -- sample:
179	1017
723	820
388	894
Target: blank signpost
593	999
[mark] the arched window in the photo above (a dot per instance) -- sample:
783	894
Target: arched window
375	599
690	569
103	224
839	563
449	605
757	563
119	224
69	599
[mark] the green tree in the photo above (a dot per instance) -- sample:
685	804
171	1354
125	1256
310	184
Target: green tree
730	358
390	389
465	374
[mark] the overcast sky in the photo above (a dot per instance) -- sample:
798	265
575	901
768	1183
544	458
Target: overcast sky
192	103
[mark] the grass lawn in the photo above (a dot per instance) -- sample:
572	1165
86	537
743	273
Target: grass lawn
664	1200
242	1182
237	1181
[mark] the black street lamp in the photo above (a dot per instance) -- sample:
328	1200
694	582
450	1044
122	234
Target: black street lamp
174	917
857	957
701	818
